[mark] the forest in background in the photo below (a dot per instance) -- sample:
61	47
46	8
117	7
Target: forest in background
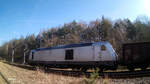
116	32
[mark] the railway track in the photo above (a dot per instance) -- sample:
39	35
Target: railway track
117	74
126	74
121	74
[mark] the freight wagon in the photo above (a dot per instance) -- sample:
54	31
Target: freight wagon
136	55
80	56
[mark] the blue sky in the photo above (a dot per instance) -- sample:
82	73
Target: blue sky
23	17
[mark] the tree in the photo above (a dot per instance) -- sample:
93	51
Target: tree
131	30
105	28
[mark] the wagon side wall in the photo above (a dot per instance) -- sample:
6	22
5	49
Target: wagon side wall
136	54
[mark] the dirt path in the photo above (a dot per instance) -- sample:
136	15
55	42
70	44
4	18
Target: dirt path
3	80
17	75
10	74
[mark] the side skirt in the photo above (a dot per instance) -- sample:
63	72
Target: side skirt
76	64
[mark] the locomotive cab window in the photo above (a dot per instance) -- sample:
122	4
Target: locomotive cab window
103	47
69	54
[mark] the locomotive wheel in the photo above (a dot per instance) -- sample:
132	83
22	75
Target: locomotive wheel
84	69
144	67
76	69
101	69
45	68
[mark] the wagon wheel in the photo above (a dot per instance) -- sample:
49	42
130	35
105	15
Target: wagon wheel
144	67
131	68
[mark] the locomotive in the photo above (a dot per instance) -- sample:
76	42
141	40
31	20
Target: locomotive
92	55
76	56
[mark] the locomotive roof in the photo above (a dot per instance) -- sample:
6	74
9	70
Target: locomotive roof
71	46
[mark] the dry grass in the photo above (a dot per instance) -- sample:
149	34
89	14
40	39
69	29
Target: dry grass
2	80
16	75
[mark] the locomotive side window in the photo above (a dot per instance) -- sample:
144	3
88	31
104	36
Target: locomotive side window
103	47
32	55
69	54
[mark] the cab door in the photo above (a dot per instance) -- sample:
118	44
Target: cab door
97	55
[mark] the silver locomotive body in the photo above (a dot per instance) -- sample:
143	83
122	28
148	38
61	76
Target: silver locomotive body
89	55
